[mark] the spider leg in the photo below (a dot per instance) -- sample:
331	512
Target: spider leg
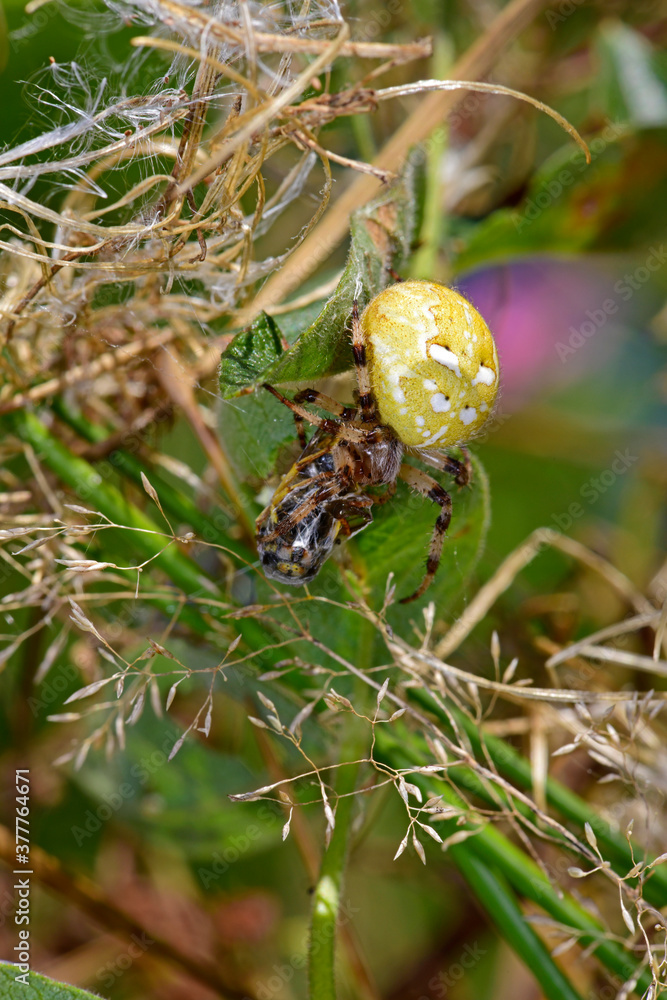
366	401
428	487
325	403
467	464
312	456
300	432
328	425
461	471
353	513
351	431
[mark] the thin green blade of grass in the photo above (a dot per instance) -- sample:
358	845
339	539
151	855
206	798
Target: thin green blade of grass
515	768
327	897
148	538
523	874
147	541
501	905
466	778
176	504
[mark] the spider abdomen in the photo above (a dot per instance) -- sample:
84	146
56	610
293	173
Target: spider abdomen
432	363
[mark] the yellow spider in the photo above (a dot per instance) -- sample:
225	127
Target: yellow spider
427	374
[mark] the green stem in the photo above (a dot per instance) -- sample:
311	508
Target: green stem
174	502
146	543
524	875
517	769
327	898
529	880
501	905
424	261
363	136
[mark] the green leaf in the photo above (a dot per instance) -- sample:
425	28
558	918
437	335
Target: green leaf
497	898
616	203
381	237
254	430
250	353
33	986
195	783
628	72
490	846
294	321
398	542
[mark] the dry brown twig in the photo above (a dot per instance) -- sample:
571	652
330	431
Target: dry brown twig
150	248
473	65
62	337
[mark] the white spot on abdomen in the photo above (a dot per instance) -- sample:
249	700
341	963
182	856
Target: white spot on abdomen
419	421
467	414
485	376
440	403
438	434
445	357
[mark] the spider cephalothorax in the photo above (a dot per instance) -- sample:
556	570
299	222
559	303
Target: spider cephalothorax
427	374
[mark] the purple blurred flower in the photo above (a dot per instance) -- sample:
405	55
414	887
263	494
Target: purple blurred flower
548	319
